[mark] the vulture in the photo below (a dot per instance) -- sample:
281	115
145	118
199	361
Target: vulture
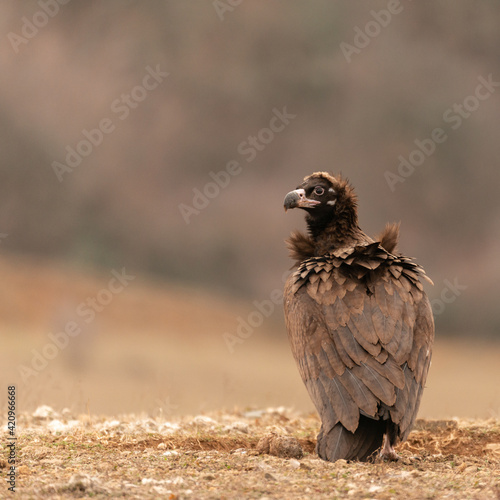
359	323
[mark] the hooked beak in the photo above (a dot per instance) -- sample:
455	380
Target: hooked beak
297	199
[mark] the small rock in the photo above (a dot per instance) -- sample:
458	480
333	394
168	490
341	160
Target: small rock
294	463
208	477
239	451
168	428
280	410
254	414
203	420
85	483
44	411
112	424
280	446
58	426
171	453
269	476
285	447
161	446
237	426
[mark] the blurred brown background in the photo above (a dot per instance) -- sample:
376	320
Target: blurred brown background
362	81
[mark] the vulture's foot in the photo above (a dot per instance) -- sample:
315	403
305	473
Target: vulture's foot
388	453
389	456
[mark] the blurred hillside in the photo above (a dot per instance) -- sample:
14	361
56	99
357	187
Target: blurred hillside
90	77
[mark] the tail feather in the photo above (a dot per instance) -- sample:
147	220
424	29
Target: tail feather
358	445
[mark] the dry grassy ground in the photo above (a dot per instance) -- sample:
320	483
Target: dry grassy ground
214	456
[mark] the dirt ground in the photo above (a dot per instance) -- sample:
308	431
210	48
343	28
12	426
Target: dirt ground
214	456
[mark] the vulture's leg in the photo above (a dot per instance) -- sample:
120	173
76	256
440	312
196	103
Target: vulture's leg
387	452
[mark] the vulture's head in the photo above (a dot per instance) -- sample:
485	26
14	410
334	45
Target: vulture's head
332	219
325	198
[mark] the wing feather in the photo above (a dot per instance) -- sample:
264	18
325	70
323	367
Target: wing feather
362	396
333	357
364	325
345	407
321	400
371	348
390	370
361	333
352	347
380	386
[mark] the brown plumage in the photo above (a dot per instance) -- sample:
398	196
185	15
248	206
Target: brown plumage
359	323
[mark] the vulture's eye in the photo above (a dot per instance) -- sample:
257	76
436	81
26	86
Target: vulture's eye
318	190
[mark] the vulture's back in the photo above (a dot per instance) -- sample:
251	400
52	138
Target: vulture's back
361	330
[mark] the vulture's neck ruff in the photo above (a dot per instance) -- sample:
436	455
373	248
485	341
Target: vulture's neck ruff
332	218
